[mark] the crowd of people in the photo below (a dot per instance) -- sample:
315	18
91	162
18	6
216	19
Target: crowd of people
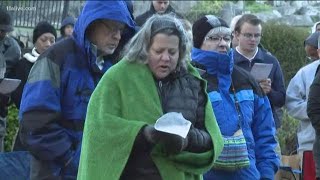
91	102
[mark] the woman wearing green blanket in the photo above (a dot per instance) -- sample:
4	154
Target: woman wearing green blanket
154	78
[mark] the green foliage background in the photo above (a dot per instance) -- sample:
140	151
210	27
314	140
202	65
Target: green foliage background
203	8
286	43
287	135
12	127
254	7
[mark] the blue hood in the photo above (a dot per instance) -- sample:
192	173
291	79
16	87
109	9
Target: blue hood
216	64
67	20
93	10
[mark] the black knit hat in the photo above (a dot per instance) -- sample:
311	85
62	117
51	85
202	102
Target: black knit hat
6	23
203	25
41	28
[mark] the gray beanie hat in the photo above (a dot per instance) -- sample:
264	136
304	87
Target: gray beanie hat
312	40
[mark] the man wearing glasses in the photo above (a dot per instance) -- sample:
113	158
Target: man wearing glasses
56	95
248	34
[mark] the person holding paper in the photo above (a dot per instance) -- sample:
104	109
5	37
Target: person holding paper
153	79
248	33
238	102
10	53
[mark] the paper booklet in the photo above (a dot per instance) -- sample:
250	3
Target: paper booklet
8	85
261	71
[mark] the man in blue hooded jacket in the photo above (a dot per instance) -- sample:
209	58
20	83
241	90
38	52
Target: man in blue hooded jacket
59	86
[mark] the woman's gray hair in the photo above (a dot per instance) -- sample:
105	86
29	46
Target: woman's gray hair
137	49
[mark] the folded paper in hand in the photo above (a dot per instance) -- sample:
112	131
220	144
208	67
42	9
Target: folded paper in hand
7	85
173	123
261	71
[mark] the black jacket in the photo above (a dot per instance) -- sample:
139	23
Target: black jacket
313	107
179	92
21	71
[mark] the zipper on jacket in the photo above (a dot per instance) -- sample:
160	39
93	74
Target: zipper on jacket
160	92
160	85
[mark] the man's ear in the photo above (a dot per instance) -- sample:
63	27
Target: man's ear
235	34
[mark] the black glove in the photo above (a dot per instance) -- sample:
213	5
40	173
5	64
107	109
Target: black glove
173	144
150	133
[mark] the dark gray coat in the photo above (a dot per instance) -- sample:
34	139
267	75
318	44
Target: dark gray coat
313	109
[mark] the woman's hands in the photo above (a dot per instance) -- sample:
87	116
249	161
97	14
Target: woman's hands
173	144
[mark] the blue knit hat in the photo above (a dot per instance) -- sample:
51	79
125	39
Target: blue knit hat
68	20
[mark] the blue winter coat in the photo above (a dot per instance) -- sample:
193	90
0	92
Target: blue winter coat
56	95
257	122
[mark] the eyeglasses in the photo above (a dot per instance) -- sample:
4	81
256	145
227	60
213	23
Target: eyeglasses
250	36
114	27
217	39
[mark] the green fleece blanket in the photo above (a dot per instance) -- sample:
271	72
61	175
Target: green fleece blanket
124	101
